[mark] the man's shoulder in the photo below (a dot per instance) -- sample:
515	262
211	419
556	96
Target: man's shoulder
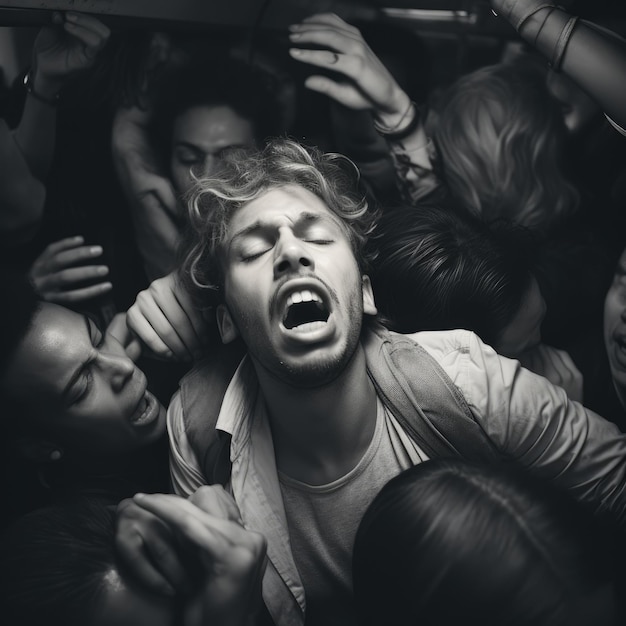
439	343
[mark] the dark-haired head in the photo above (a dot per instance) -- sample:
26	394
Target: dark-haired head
448	541
437	269
67	386
57	565
208	107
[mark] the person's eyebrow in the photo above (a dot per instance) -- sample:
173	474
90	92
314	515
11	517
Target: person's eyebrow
187	144
305	218
82	367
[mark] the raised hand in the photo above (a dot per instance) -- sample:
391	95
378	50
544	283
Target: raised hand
166	320
362	81
62	266
70	45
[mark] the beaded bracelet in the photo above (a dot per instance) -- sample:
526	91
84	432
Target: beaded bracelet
30	89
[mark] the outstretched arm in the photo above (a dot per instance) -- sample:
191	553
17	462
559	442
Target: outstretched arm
594	59
63	49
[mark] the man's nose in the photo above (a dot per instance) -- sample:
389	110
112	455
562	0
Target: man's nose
119	368
291	254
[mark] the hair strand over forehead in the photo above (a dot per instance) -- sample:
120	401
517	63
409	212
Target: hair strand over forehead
247	175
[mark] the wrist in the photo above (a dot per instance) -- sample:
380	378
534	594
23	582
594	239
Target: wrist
41	88
405	126
394	117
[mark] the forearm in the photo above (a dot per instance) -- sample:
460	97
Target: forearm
592	58
22	196
36	133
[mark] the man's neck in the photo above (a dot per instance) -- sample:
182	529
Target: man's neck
321	433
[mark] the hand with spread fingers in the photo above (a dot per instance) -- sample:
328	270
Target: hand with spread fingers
233	559
60	272
166	320
362	81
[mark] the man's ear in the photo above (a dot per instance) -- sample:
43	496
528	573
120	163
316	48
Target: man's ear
37	451
225	324
369	306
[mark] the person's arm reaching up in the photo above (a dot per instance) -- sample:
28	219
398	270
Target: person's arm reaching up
593	58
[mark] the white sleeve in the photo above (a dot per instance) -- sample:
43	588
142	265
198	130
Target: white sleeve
185	472
533	421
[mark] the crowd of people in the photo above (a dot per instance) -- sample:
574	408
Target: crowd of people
295	337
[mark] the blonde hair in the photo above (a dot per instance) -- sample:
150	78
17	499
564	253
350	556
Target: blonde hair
247	175
498	136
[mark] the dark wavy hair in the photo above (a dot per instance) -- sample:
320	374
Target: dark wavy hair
438	269
449	542
218	81
499	138
54	563
247	175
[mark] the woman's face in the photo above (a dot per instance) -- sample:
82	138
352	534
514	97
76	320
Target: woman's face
200	135
82	389
524	331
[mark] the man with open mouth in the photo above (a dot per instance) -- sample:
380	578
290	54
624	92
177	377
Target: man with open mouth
312	406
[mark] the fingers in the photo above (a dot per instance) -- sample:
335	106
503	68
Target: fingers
369	83
65	253
215	500
76	295
90	31
217	536
63	244
68	277
164	318
147	547
118	329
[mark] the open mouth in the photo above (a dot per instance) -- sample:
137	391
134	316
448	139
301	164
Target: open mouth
147	410
305	310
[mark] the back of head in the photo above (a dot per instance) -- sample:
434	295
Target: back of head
247	175
53	564
447	542
499	139
436	269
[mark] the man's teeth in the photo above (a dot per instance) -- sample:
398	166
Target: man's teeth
302	296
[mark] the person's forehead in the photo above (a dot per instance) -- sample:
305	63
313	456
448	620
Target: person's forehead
56	342
289	202
205	123
53	326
